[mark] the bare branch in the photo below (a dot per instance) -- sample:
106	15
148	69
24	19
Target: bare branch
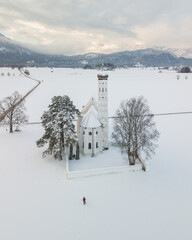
134	129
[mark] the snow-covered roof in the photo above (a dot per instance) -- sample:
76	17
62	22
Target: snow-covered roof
91	102
90	119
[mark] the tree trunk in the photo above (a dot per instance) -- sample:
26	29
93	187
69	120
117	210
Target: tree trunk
71	151
77	152
11	128
135	142
11	123
63	145
130	157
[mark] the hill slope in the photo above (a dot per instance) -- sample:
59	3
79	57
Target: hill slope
12	53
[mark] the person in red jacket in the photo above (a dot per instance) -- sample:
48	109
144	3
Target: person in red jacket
84	200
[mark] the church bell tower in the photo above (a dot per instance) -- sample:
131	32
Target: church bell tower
103	107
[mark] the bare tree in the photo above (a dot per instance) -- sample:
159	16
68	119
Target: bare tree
134	129
17	115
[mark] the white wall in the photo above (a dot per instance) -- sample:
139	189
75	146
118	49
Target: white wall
93	138
101	171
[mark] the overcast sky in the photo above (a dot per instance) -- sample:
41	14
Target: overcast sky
80	26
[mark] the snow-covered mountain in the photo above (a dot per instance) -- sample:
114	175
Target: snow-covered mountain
13	53
8	46
179	52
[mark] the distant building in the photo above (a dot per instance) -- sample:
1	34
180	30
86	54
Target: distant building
92	126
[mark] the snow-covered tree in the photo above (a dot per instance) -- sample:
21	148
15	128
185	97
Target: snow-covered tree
59	126
134	129
16	116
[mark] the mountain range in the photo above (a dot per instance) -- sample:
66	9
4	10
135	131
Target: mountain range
14	54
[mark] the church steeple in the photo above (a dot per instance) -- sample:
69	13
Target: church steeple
103	106
92	126
102	87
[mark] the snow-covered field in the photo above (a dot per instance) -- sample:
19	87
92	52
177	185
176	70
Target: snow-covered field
38	202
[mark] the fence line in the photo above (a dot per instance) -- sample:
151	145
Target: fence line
104	171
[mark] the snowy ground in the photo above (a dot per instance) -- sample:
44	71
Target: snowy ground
111	158
13	82
36	200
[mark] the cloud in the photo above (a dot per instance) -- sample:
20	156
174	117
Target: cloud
80	26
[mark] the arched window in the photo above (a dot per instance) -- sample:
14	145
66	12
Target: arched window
97	145
90	133
102	89
89	146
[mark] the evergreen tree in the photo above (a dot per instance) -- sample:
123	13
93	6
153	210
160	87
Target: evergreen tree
77	152
59	127
71	152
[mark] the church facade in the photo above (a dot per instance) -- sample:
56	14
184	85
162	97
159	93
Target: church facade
92	126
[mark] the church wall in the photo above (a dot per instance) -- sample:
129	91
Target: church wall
78	125
90	141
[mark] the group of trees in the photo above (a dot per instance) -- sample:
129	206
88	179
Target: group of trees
185	70
134	130
8	74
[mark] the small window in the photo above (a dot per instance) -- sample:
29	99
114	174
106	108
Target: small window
97	145
99	89
96	132
90	133
83	132
102	89
105	89
83	145
89	145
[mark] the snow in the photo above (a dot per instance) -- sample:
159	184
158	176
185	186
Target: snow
38	202
88	162
15	82
90	120
91	55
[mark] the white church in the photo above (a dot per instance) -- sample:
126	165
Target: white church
92	126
